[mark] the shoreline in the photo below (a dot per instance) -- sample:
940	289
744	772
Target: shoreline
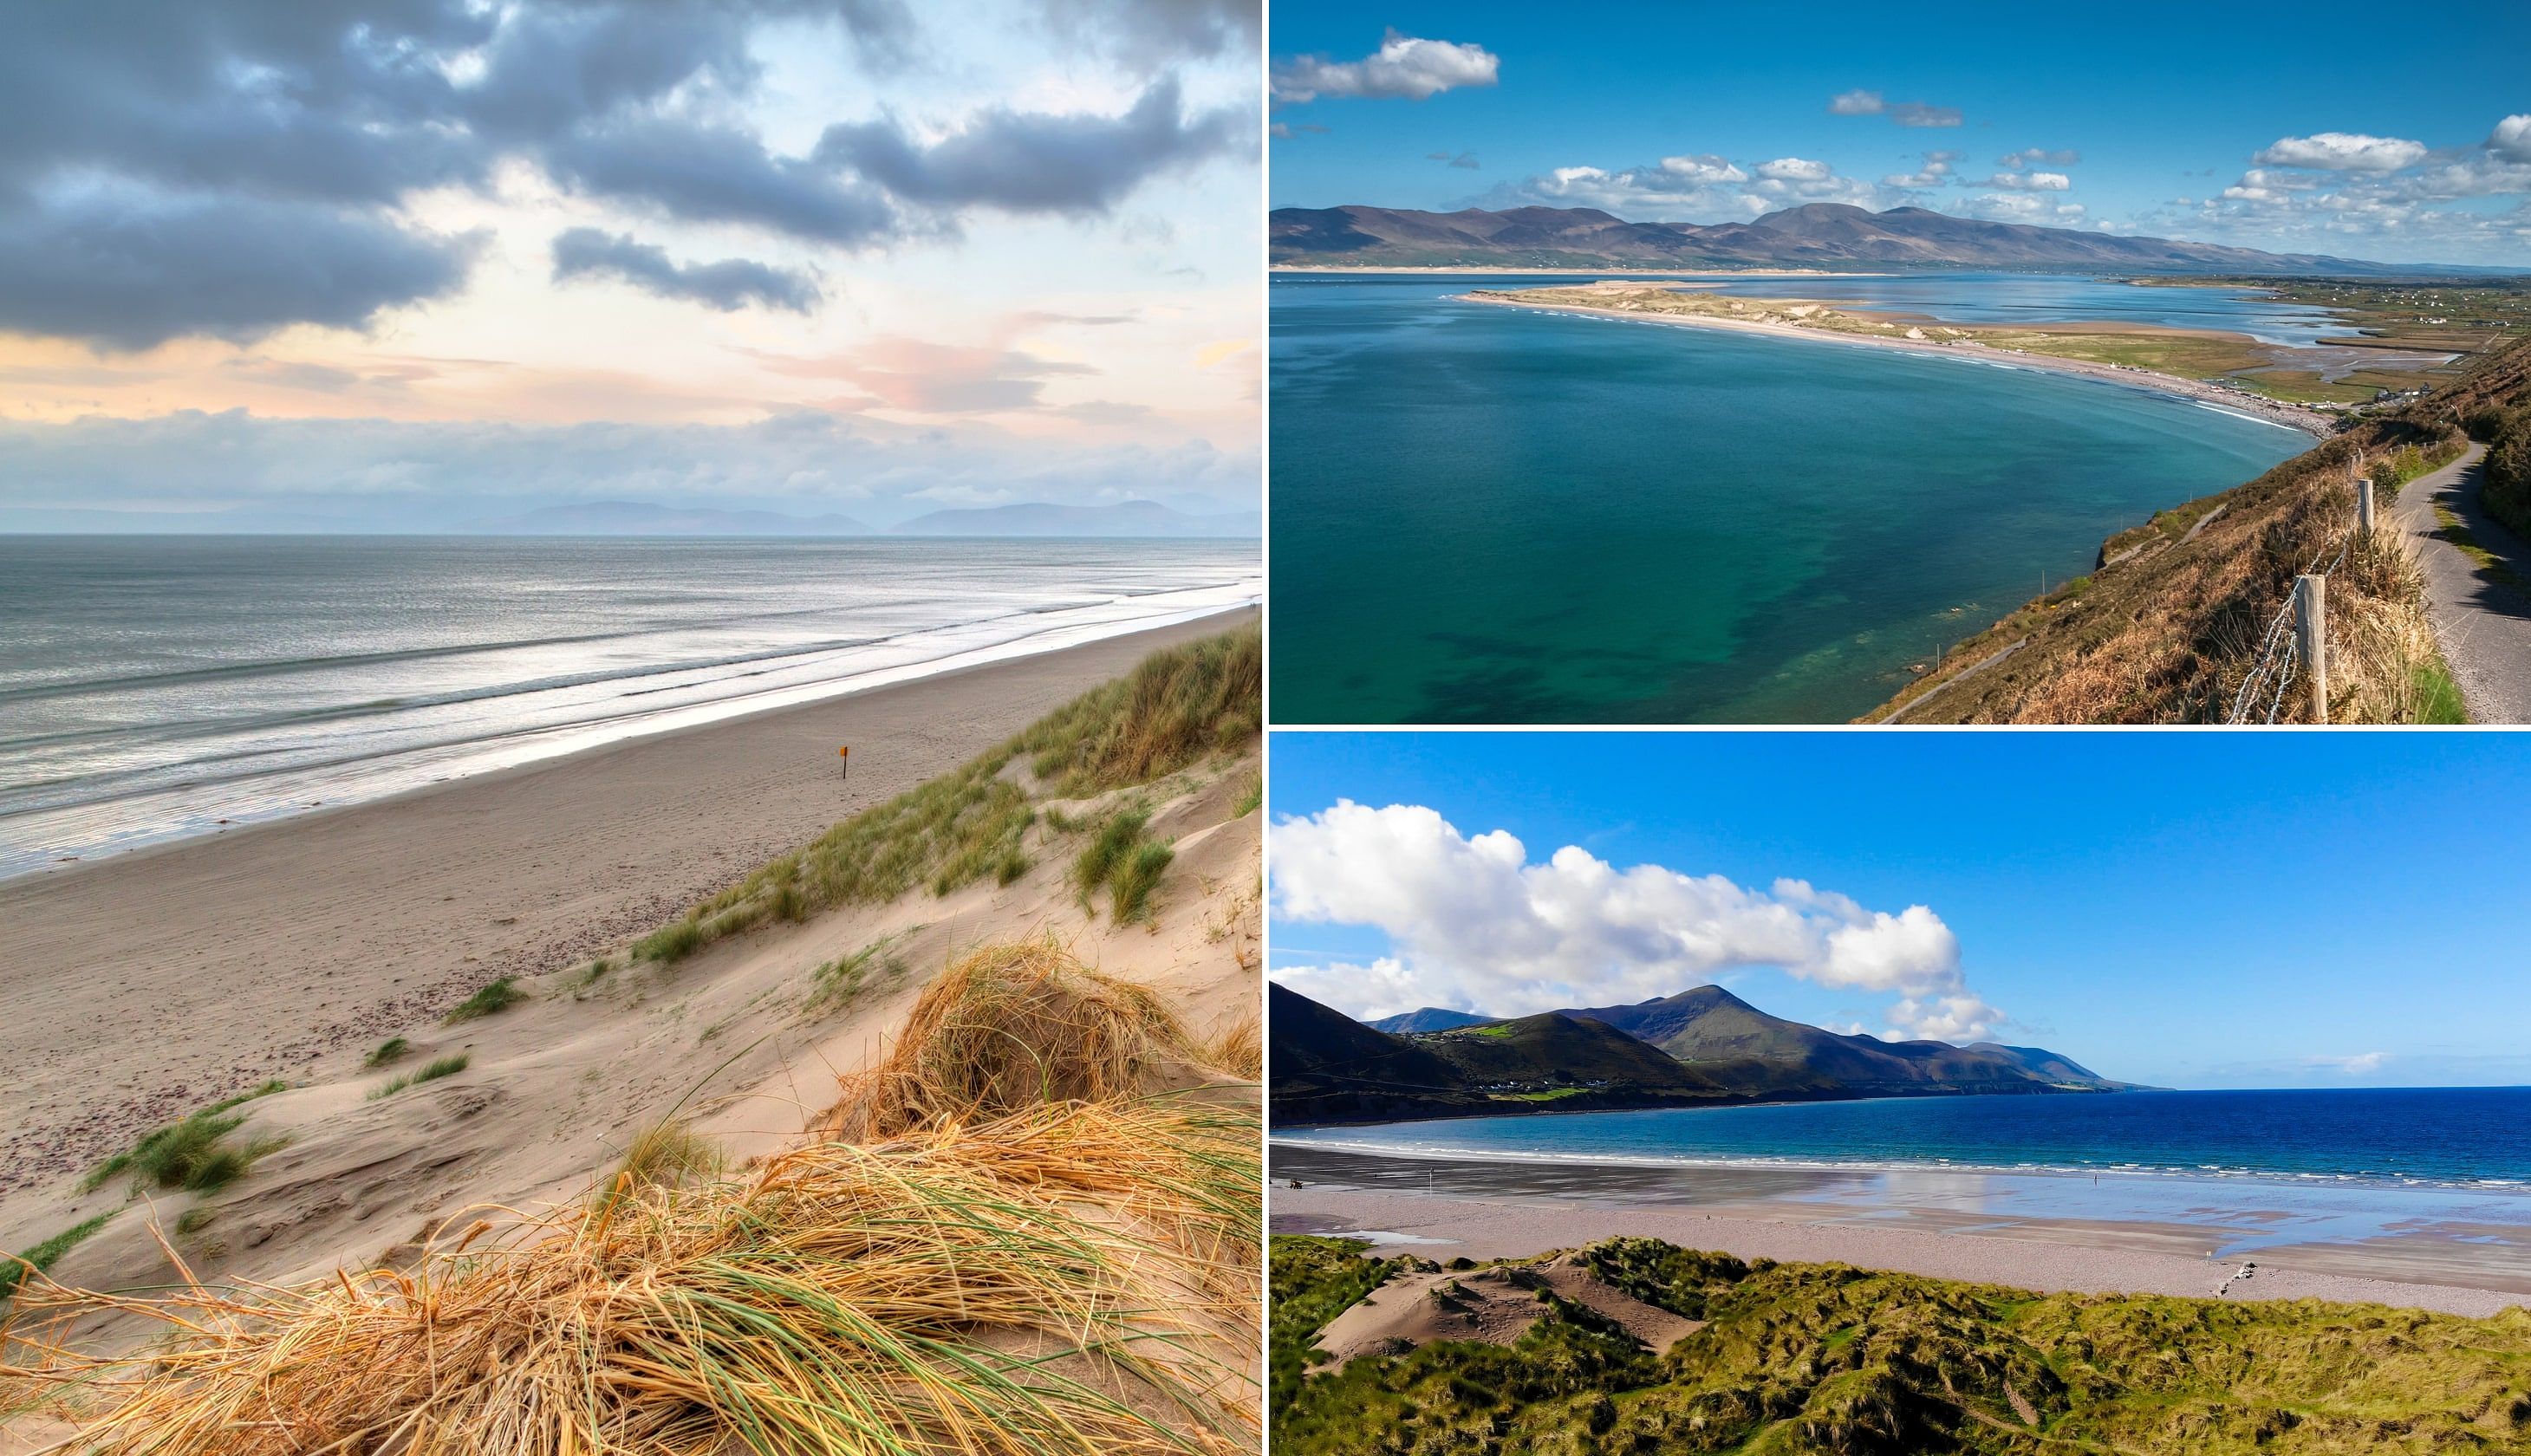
2265	411
393	774
1492	270
1767	1167
147	984
1964	1227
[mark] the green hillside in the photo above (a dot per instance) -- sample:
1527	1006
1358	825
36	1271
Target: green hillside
1800	1358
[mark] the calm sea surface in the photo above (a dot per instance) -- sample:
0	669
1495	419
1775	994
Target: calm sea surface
2448	1169
1493	515
154	686
2464	1137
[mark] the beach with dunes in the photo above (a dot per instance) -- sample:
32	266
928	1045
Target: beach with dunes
423	1079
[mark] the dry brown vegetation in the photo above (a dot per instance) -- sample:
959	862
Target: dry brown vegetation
2166	630
1023	1286
1013	1237
1011	1027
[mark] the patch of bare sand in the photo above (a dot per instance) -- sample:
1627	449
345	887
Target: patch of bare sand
736	1040
1494	1304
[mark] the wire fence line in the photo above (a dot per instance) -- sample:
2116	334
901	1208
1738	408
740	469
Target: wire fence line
2279	657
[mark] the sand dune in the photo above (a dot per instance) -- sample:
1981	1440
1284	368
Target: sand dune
744	1038
143	987
1494	1304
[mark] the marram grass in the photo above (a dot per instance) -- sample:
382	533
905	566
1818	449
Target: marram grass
1070	1279
1011	1027
1176	706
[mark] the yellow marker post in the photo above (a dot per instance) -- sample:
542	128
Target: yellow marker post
846	753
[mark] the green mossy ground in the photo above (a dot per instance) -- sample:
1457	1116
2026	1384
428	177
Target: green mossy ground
1823	1358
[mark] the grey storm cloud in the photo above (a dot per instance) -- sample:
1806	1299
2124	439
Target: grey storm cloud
126	274
1034	163
718	174
156	150
1904	113
1158	32
728	285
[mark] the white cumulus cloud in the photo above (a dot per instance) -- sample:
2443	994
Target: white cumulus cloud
1404	65
2512	139
1473	923
1794	169
1700	171
2342	152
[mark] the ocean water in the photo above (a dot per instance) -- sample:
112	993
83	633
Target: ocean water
152	687
1492	515
2455	1137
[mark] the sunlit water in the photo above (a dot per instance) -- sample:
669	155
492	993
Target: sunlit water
2252	1170
152	687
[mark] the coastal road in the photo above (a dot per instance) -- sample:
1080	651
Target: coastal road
2481	615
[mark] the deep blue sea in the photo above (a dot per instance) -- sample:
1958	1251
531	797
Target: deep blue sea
1490	514
154	686
2459	1138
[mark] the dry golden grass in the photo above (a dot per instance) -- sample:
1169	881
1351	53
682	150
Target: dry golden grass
1042	1284
1239	1049
666	1154
1011	1027
2167	633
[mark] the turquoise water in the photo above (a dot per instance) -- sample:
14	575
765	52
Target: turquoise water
1492	515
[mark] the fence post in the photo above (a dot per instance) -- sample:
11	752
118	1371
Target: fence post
2311	633
2364	504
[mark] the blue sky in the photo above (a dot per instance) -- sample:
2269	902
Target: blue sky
2190	909
2353	130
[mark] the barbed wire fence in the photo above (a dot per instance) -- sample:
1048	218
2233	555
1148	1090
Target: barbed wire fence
2296	645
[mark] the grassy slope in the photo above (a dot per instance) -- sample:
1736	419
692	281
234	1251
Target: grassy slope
1823	1358
1176	706
2164	635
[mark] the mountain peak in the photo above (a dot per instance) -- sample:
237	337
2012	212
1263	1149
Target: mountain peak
1821	234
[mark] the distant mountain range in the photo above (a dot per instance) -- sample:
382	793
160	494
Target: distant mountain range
1703	1047
1133	517
1427	1019
1818	235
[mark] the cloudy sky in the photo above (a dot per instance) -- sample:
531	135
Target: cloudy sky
2339	129
2183	910
410	261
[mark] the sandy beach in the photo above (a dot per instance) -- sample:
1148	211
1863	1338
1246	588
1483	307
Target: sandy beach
1476	271
143	987
2310	422
1443	1208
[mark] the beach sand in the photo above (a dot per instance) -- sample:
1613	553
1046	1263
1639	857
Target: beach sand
1501	1210
143	987
2310	422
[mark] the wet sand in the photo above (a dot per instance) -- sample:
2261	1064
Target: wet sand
143	987
2178	1238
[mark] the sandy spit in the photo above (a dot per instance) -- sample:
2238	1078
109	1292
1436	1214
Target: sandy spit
2310	422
